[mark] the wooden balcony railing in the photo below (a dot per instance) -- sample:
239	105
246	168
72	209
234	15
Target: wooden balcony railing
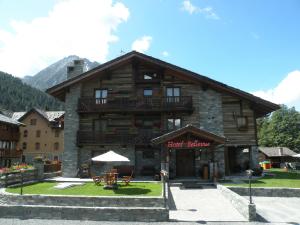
92	137
181	103
9	135
10	153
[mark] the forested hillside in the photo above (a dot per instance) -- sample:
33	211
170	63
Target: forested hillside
17	96
281	128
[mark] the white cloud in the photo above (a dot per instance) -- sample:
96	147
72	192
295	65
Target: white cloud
208	12
142	44
286	92
165	53
81	27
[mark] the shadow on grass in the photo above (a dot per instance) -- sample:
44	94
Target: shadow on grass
131	191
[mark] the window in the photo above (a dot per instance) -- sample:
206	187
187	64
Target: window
38	133
173	124
147	92
150	75
100	125
55	158
101	96
148	154
25	133
37	146
173	94
56	146
24	146
33	122
56	134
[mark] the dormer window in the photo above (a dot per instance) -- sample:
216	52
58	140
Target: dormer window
150	76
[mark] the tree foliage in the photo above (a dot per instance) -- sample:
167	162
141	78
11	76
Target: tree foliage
17	96
281	128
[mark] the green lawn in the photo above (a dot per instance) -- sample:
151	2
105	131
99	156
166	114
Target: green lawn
280	178
90	189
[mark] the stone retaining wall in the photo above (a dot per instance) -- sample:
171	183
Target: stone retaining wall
267	192
239	203
120	201
84	213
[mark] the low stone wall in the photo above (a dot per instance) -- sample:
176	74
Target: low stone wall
267	192
84	213
55	200
16	177
239	203
52	174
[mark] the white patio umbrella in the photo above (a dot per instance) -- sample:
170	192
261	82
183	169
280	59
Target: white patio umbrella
110	156
296	156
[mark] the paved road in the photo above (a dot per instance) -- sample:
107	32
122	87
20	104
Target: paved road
77	222
202	205
278	209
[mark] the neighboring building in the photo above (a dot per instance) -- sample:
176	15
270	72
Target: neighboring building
9	136
276	155
158	115
43	134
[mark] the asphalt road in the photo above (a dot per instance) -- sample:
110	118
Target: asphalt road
78	222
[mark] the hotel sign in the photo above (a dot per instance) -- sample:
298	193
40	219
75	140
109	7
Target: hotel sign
187	144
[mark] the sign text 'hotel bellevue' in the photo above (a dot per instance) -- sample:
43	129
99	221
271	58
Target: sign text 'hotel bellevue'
187	144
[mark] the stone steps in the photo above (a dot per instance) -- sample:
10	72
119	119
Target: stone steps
84	213
192	184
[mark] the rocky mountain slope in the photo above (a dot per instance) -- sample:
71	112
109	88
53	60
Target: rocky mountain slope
55	73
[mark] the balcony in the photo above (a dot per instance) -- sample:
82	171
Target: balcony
99	138
10	153
9	135
152	104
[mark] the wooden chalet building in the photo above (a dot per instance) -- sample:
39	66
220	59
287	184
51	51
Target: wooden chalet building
160	116
9	136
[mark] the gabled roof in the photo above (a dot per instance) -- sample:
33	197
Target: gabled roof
263	105
7	120
275	151
50	116
201	133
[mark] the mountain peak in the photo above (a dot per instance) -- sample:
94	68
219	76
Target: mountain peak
55	73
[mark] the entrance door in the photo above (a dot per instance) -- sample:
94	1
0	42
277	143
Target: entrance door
185	162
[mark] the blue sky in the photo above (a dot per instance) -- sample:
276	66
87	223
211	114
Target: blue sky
252	45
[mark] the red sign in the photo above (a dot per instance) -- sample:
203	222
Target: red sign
187	144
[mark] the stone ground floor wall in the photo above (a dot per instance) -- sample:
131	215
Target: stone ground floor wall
97	168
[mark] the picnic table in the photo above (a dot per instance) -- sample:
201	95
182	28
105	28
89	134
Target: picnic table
111	180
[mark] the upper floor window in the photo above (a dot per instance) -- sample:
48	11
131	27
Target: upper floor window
173	123
56	146
38	133
173	94
100	125
148	92
101	96
33	122
56	133
25	133
37	146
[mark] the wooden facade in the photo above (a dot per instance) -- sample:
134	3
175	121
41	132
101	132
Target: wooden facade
9	136
127	102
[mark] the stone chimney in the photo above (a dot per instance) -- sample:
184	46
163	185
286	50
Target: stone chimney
280	151
76	69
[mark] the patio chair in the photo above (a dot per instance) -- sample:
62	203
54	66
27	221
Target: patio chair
98	179
127	179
